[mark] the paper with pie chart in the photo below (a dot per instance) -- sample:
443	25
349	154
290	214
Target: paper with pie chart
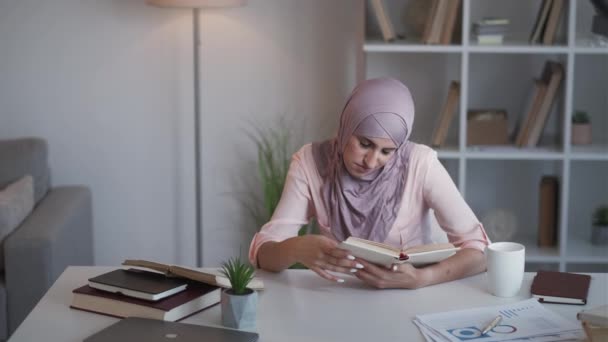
525	320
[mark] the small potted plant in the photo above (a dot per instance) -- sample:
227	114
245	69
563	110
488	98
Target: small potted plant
581	128
239	303
599	233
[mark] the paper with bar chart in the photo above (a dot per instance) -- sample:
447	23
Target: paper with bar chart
526	320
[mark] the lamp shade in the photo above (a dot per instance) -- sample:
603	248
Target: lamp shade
197	3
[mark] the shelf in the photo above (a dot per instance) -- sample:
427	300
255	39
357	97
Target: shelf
404	46
582	251
518	47
589	152
448	152
586	45
539	254
512	152
513	47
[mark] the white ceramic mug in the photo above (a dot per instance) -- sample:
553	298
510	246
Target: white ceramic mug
505	261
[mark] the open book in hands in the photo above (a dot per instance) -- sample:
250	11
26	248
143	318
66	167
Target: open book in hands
211	276
385	255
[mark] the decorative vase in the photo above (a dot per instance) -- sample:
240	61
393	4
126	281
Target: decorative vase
239	311
581	134
599	235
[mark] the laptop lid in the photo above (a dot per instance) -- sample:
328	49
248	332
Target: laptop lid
152	330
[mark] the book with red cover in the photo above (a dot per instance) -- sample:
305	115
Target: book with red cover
195	298
560	287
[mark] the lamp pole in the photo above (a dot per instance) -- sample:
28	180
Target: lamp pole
196	41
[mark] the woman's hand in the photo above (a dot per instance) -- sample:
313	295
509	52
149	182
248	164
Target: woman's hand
321	254
404	276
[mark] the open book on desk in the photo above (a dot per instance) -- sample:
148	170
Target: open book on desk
211	276
383	254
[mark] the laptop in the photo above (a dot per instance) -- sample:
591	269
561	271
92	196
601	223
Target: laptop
152	330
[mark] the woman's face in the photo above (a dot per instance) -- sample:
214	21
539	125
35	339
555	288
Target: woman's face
364	155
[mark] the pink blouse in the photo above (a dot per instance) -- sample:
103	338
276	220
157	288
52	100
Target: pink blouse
428	186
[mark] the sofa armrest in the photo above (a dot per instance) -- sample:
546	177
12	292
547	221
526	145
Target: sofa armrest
56	234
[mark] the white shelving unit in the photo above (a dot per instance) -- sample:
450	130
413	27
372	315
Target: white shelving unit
500	76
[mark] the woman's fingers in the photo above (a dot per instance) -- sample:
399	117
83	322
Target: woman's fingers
324	274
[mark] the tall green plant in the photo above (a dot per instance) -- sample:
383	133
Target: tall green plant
274	154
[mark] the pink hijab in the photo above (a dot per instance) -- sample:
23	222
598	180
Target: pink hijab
367	208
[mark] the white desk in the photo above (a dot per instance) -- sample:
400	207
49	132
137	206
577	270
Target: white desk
297	305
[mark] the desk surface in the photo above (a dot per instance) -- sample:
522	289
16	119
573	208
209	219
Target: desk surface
297	305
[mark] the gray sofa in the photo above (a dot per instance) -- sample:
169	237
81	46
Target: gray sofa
57	233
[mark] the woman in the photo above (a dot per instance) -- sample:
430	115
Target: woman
370	182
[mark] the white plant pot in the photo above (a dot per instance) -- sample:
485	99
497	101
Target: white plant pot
239	311
581	134
599	235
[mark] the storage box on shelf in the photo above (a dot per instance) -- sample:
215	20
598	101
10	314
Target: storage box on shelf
501	77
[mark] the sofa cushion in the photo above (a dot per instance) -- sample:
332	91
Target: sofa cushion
25	156
16	203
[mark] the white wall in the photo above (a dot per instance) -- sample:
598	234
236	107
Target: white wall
109	84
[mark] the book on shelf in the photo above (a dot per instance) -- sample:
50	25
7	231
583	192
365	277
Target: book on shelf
138	283
439	17
597	316
195	298
489	39
441	22
552	76
429	21
451	21
548	208
446	115
211	276
560	287
386	255
553	22
383	19
540	22
531	108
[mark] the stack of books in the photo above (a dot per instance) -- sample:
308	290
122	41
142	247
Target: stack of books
490	30
169	292
138	293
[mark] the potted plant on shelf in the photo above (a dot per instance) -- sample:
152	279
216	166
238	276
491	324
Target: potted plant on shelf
581	128
599	232
239	303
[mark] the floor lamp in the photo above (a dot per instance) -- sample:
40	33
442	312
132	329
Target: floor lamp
196	6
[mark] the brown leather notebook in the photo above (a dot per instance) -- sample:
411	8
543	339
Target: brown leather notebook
560	287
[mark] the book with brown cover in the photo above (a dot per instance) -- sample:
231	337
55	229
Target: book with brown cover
540	89
195	298
553	22
552	75
450	22
429	22
447	114
541	21
438	23
383	19
547	211
560	287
